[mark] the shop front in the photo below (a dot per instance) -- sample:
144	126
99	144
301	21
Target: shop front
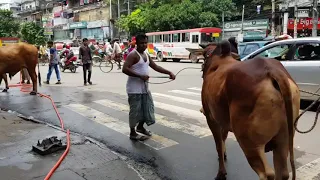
304	27
254	30
76	28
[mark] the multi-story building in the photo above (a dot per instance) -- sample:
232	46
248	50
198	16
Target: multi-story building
12	5
82	19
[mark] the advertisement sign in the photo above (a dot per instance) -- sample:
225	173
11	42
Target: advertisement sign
248	24
78	25
303	23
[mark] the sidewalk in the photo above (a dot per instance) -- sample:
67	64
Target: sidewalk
85	161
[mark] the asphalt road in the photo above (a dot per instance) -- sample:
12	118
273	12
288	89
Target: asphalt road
182	147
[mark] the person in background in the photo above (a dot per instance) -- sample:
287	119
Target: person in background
234	45
132	46
116	52
53	63
139	97
86	57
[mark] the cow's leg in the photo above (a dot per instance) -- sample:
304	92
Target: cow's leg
280	155
33	75
224	138
220	147
5	78
256	157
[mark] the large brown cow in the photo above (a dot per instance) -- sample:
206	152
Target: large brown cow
15	57
258	101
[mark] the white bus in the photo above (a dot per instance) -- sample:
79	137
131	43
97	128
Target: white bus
172	44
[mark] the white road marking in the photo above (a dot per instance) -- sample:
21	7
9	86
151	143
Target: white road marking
184	127
186	93
310	171
156	141
178	99
195	89
183	112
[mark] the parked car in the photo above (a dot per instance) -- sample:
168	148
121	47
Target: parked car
245	49
301	58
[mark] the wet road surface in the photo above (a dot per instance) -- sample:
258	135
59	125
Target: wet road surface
181	148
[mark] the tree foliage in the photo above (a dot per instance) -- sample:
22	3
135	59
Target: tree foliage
8	26
164	15
32	33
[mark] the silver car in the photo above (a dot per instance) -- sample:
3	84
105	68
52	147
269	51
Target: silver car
301	58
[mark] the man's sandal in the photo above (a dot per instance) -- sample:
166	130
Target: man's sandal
138	137
145	132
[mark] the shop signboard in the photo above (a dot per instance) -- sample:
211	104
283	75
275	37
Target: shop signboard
78	25
303	23
247	25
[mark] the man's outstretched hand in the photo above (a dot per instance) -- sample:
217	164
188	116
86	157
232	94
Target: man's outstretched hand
172	76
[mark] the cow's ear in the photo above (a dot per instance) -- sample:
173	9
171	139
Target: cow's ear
203	46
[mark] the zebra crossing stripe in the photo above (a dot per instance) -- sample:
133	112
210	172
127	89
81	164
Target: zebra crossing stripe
195	88
156	141
183	112
184	127
310	171
178	99
185	93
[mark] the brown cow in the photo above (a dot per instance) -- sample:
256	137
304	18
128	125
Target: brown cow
258	101
15	57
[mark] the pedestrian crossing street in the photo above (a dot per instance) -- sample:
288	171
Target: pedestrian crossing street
184	104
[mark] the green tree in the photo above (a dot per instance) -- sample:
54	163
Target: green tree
32	33
166	15
9	27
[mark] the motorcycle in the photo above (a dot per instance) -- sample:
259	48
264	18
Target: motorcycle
72	66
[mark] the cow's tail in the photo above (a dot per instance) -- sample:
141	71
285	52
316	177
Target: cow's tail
284	86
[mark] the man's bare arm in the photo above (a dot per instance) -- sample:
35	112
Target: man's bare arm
160	69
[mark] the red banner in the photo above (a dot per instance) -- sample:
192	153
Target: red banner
303	23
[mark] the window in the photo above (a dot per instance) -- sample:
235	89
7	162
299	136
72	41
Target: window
167	38
279	52
195	38
241	48
150	39
250	48
158	38
176	37
207	38
185	37
307	52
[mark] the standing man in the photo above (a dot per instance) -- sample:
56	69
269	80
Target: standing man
85	55
140	100
116	52
53	63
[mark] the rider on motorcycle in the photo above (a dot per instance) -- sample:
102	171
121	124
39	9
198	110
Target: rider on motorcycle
68	53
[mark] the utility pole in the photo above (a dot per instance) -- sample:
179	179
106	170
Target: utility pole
242	20
273	31
222	24
110	23
295	19
315	18
240	36
118	9
128	7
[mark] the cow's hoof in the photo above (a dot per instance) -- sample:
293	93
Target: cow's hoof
5	90
33	93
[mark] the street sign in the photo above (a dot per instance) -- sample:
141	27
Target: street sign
303	13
